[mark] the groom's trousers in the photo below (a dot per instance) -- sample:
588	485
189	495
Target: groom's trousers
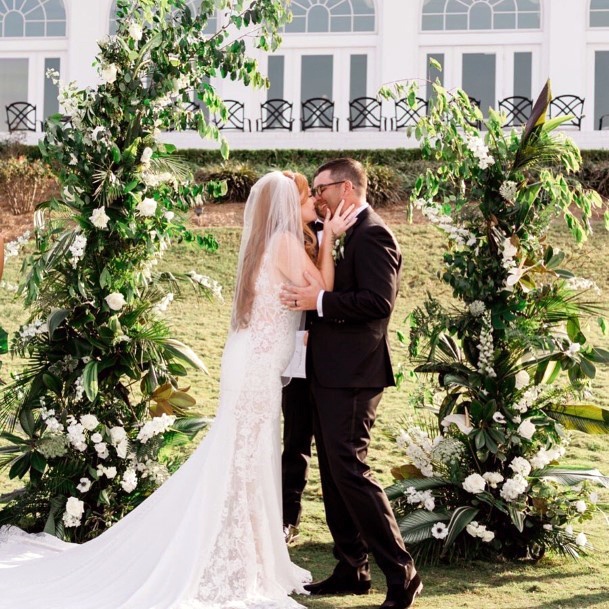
358	512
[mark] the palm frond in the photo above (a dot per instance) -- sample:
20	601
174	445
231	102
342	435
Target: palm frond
416	526
572	476
174	165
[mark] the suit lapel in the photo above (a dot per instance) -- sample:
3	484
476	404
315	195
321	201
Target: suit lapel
360	219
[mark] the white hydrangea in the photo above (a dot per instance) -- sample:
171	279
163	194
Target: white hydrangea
99	218
75	509
477	308
474	483
154	427
76	435
480	150
146	208
513	487
508	190
493	478
129	480
89	422
77	249
520	465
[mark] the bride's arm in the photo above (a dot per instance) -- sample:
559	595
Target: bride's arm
293	261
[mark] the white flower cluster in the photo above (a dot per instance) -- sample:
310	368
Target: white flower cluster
479	149
474	483
77	249
418	447
99	218
154	179
579	283
460	236
528	399
79	389
526	429
493	478
521	466
544	456
76	435
207	282
477	308
34	329
116	301
109	472
129	480
508	190
146	208
154	427
153	470
486	348
513	487
75	509
11	249
480	530
109	73
162	305
422	498
522	379
120	441
53	445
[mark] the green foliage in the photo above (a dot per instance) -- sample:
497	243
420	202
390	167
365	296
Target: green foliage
512	359
386	186
23	183
98	349
238	177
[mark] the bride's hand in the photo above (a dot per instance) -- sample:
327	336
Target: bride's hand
341	222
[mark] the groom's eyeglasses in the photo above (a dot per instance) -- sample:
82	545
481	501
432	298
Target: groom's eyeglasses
317	191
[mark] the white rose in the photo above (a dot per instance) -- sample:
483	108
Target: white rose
116	301
581	506
548	527
520	466
581	540
522	379
110	472
96	438
85	485
75	507
99	219
109	73
102	450
129	481
147	207
487	536
493	478
526	429
117	434
593	498
135	31
474	483
169	215
89	421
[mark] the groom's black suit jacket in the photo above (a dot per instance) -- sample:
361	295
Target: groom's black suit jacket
348	347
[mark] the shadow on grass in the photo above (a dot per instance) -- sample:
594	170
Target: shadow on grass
578	601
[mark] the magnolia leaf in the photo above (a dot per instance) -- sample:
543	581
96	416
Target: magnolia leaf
55	319
89	380
162	392
459	519
517	517
405	472
180	399
588	418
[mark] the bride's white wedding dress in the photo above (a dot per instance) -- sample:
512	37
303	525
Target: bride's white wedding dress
211	536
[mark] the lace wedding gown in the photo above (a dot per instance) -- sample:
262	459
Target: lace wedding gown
211	536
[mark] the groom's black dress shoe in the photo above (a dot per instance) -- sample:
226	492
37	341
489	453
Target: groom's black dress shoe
343	581
403	596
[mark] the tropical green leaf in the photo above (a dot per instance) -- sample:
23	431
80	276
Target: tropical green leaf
416	526
90	380
55	319
571	476
589	418
397	490
517	517
459	519
180	351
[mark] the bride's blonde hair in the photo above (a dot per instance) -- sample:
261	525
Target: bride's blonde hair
272	208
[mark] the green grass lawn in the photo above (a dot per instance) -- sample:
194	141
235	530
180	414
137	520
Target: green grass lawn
554	583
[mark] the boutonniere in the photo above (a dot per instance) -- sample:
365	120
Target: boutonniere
338	251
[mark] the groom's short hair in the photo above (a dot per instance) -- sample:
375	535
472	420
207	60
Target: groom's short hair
347	169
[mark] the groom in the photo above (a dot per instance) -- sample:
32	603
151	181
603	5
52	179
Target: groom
348	366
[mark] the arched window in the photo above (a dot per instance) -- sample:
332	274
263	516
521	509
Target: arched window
317	16
599	13
482	14
194	5
32	18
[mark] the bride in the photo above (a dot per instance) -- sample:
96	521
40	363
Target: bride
211	536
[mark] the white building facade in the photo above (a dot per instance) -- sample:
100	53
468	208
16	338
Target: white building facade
344	49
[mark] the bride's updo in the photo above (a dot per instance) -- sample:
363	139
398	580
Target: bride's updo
272	208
